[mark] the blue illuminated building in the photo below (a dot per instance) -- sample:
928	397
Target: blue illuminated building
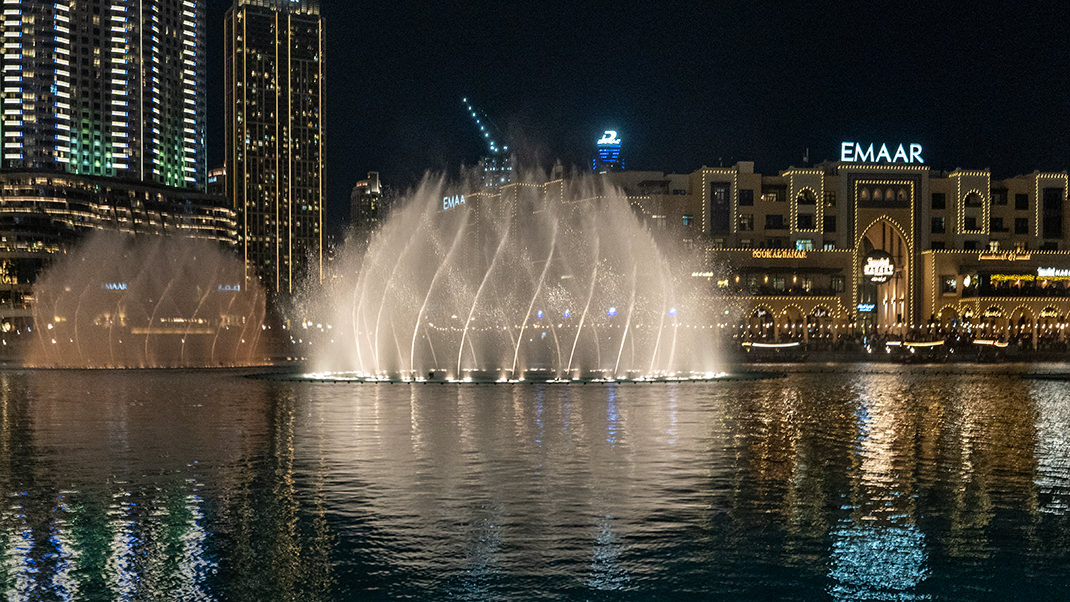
608	158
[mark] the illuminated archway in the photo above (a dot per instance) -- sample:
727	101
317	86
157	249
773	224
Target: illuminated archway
888	287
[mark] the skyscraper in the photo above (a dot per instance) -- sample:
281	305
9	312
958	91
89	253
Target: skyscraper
274	136
608	157
105	88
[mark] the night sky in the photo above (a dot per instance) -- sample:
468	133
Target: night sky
685	84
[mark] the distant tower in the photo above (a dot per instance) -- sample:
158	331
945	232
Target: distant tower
365	206
274	69
109	88
497	166
608	153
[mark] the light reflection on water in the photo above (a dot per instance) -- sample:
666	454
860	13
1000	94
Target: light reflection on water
209	486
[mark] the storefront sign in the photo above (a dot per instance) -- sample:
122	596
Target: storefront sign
878	267
993	312
1053	273
1011	278
1004	256
853	152
1049	312
867	308
778	254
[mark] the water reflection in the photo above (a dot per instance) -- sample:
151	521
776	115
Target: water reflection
907	486
133	492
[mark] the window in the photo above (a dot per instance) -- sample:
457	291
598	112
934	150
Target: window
949	284
939	200
806	197
970	224
804	221
995	224
1021	225
971	245
1021	202
1049	246
745	243
718	243
746	198
688	220
774	221
830	199
1053	213
830	223
938	226
771	197
837	284
999	196
937	244
804	244
972	200
719	209
830	245
746	222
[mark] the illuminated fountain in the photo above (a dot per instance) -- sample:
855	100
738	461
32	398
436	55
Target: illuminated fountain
557	281
149	302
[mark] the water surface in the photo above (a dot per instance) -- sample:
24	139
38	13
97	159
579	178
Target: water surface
880	484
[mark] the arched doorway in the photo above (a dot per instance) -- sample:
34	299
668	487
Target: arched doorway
884	278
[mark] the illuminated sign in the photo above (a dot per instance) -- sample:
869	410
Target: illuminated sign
879	267
1011	277
1053	273
1049	312
702	274
993	312
449	202
115	286
867	308
778	254
853	152
609	138
230	288
1004	256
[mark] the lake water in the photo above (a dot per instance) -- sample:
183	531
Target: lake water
877	483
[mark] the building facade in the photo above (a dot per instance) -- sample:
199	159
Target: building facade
887	248
43	214
105	88
274	67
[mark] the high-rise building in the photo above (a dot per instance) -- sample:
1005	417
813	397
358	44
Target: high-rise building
274	137
366	206
105	88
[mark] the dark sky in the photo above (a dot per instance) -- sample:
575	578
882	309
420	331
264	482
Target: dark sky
685	84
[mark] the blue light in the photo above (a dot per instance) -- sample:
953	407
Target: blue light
538	314
568	313
672	311
612	311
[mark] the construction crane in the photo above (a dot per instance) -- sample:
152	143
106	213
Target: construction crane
496	165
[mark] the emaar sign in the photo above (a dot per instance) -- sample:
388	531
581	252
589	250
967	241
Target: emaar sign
854	152
449	202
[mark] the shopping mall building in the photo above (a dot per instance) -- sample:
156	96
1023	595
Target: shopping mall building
877	242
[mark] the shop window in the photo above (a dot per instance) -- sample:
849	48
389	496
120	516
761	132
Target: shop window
830	245
949	284
804	244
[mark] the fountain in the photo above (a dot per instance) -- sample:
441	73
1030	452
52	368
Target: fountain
119	301
554	282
